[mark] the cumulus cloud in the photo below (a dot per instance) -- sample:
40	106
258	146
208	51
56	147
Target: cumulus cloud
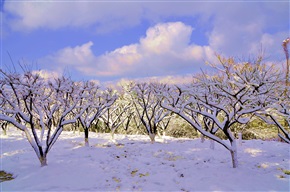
77	57
165	50
104	16
235	26
232	28
46	74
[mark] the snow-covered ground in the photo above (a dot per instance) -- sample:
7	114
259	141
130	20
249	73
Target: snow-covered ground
132	163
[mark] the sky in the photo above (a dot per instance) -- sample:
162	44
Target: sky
108	41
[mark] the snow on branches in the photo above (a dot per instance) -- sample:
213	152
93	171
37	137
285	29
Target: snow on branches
93	104
147	106
217	102
39	107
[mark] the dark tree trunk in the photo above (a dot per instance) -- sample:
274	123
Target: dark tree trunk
113	133
4	132
4	126
43	161
86	136
152	137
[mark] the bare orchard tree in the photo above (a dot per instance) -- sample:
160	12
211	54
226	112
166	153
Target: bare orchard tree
115	116
218	102
129	117
147	107
38	107
163	125
283	110
278	112
96	102
126	103
179	100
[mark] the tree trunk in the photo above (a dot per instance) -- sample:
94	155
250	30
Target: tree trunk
4	128
211	144
240	138
126	134
234	158
43	161
152	137
4	132
113	133
159	135
74	129
86	137
234	154
164	137
233	150
202	138
87	142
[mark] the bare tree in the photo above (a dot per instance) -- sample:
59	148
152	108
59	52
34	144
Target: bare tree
278	112
38	107
147	107
126	104
164	124
129	116
218	102
115	116
97	101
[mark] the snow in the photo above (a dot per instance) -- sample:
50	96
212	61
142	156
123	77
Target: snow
132	163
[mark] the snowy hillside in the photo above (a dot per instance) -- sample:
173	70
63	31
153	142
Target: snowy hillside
132	163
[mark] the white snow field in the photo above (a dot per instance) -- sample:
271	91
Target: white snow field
132	163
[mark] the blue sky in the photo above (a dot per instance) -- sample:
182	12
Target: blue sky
114	40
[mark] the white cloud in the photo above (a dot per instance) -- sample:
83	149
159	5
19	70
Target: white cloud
105	16
166	37
170	80
271	44
165	50
46	74
108	16
232	28
77	57
176	79
241	29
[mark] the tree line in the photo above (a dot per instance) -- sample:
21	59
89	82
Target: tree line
233	93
